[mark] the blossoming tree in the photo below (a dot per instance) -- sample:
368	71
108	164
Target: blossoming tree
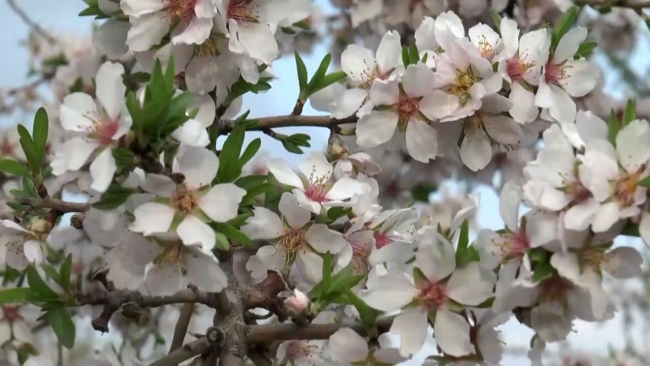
193	251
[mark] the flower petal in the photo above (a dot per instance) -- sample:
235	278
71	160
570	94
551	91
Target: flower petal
376	128
102	170
264	224
152	218
193	231
471	285
198	165
221	203
110	88
412	328
323	240
452	333
421	141
284	174
347	346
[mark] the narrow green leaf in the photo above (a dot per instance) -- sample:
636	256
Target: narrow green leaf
328	80
542	270
327	271
39	288
496	18
250	152
65	272
302	71
291	147
405	56
222	242
14	295
40	133
586	49
62	326
367	314
564	24
320	73
29	149
250	181
13	167
229	157
231	233
414	54
114	197
630	112
645	182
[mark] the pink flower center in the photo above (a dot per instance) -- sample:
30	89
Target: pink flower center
382	239
242	11
408	108
11	313
516	68
625	188
181	10
104	130
431	295
297	350
514	245
317	188
554	73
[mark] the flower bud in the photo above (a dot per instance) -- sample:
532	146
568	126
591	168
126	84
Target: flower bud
297	304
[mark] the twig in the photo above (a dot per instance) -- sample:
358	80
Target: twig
184	353
27	88
55	204
30	23
226	126
180	330
113	300
269	332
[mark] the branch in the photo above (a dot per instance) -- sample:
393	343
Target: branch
55	204
184	353
225	126
30	23
113	300
181	326
276	332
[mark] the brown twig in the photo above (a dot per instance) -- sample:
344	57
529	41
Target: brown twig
289	121
30	23
184	353
269	332
55	204
180	330
113	300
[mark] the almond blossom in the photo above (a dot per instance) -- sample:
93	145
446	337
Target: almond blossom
96	126
187	208
312	188
21	246
349	347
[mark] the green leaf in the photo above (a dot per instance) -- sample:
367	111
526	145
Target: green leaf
29	149
496	18
630	112
222	242
405	56
328	80
302	71
645	182
250	152
40	133
124	157
367	314
337	212
422	191
414	54
586	49
229	157
114	197
40	289
16	295
614	126
65	272
463	239
542	270
13	167
253	192
327	271
250	181
564	24
291	147
318	77
231	233
52	273
62	325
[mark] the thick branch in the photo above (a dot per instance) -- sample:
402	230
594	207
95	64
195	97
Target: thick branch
290	121
113	300
30	23
277	332
55	204
184	353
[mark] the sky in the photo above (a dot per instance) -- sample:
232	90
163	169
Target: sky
60	16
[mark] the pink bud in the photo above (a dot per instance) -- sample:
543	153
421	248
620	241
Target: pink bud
297	304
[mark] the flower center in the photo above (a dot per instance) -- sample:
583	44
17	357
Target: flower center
292	241
210	47
485	48
104	130
185	202
172	254
181	10
382	239
407	108
554	289
242	11
297	350
317	188
11	312
554	73
431	295
516	68
593	257
462	84
579	192
513	245
625	189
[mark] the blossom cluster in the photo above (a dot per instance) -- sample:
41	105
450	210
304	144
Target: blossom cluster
137	136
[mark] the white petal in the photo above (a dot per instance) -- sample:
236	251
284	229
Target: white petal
192	133
436	260
569	44
633	145
412	327
384	92
264	224
523	108
451	332
203	271
510	35
438	104
644	228
102	170
608	214
389	51
196	32
475	150
193	231
222	202
471	285
152	218
296	216
376	128
323	240
347	346
160	185
164	279
356	62
310	266
503	130
621	263
33	252
198	165
393	291
147	31
421	141
509	202
417	80
579	217
345	188
110	88
72	155
284	174
348	102
316	167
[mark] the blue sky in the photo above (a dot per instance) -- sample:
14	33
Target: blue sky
60	16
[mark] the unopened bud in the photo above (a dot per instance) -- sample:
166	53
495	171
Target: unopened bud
297	304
